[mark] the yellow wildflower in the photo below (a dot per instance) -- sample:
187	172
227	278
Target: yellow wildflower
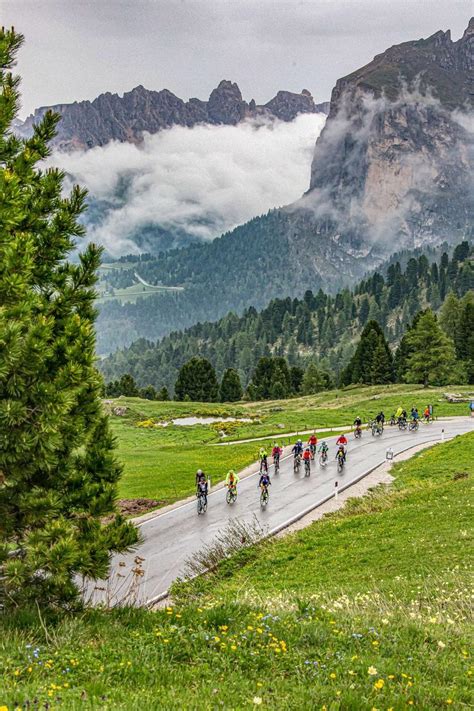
332	675
379	684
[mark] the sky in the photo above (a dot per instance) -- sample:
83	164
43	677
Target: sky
77	49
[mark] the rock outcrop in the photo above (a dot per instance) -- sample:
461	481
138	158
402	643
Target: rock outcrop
109	117
393	166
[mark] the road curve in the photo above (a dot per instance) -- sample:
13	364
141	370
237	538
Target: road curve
170	538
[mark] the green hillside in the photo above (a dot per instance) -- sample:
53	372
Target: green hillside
317	326
366	609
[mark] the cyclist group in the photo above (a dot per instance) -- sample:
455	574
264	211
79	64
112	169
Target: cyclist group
307	453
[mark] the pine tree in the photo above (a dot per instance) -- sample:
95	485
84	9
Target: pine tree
296	376
59	476
197	381
449	316
372	361
231	388
315	380
148	393
432	354
163	394
464	337
127	386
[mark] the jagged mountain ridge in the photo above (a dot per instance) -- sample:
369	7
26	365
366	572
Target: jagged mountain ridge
86	124
396	155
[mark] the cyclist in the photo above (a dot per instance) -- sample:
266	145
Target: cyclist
231	480
415	415
307	458
276	453
379	420
342	441
341	454
297	449
427	413
313	442
323	449
264	481
358	424
201	482
399	412
262	455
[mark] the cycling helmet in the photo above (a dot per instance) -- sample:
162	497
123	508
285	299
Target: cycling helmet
300	441
199	472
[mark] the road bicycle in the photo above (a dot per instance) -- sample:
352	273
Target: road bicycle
413	426
340	464
201	502
296	463
307	467
402	423
377	429
323	459
358	432
231	496
276	464
312	448
263	466
264	496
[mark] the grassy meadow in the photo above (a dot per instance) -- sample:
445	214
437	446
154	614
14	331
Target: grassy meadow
368	608
160	462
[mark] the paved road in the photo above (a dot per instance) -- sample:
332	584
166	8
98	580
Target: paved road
171	538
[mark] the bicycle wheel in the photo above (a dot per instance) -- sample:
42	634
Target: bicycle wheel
264	498
200	505
277	466
231	496
307	469
323	461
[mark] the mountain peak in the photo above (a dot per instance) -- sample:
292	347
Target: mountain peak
469	31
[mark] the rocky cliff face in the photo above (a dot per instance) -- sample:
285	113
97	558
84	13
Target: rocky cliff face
393	166
86	124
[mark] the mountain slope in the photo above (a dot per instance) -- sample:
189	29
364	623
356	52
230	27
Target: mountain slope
393	169
316	326
109	117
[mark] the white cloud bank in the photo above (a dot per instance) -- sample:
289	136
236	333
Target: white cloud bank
204	180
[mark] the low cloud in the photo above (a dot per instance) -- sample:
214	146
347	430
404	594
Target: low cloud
386	170
201	181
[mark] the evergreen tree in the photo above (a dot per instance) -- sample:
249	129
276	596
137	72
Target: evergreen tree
59	475
315	380
269	371
449	316
364	311
148	393
127	386
163	394
432	354
464	337
372	360
404	351
197	381
231	388
296	376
